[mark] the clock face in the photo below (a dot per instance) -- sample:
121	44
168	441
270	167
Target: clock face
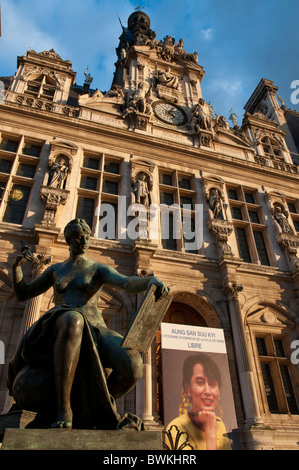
170	113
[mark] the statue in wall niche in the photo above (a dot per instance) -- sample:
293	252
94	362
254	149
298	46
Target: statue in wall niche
141	190
280	217
216	203
200	118
58	174
69	367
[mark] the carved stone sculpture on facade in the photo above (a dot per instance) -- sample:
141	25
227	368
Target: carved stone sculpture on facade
141	190
139	109
167	79
201	124
58	174
218	223
285	234
217	206
281	217
200	117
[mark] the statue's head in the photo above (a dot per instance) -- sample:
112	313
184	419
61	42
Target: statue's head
74	226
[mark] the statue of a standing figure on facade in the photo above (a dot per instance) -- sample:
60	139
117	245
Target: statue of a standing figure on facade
200	118
141	189
216	204
58	174
281	219
69	367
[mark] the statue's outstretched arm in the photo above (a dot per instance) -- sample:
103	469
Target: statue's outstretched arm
24	291
131	284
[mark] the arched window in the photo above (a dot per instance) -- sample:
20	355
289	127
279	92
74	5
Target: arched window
271	148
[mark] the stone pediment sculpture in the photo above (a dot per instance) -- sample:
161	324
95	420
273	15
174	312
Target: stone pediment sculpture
69	367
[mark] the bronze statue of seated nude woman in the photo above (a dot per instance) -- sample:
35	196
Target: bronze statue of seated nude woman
60	367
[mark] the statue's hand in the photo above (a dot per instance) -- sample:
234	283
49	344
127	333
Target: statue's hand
162	289
20	259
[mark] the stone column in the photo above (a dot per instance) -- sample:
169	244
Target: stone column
32	306
147	390
250	402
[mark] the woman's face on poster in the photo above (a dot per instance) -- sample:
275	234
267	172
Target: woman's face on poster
204	391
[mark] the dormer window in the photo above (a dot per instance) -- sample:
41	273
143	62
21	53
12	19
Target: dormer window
271	148
41	87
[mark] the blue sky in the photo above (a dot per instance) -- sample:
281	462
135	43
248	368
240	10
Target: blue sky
238	41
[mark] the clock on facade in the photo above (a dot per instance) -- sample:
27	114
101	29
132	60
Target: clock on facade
170	113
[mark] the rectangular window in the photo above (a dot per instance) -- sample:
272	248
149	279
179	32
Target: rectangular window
33	150
233	194
101	174
9	145
110	187
292	207
185	183
5	165
276	368
269	388
237	213
165	178
180	222
168	230
85	209
249	198
89	182
250	239
261	346
243	245
254	217
90	162
187	201
167	198
16	206
288	387
261	248
112	167
27	170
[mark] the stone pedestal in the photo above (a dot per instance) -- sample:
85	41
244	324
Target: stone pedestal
16	435
80	439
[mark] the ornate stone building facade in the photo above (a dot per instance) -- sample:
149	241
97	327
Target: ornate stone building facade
153	140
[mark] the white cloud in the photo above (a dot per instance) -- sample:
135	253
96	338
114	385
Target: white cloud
207	34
